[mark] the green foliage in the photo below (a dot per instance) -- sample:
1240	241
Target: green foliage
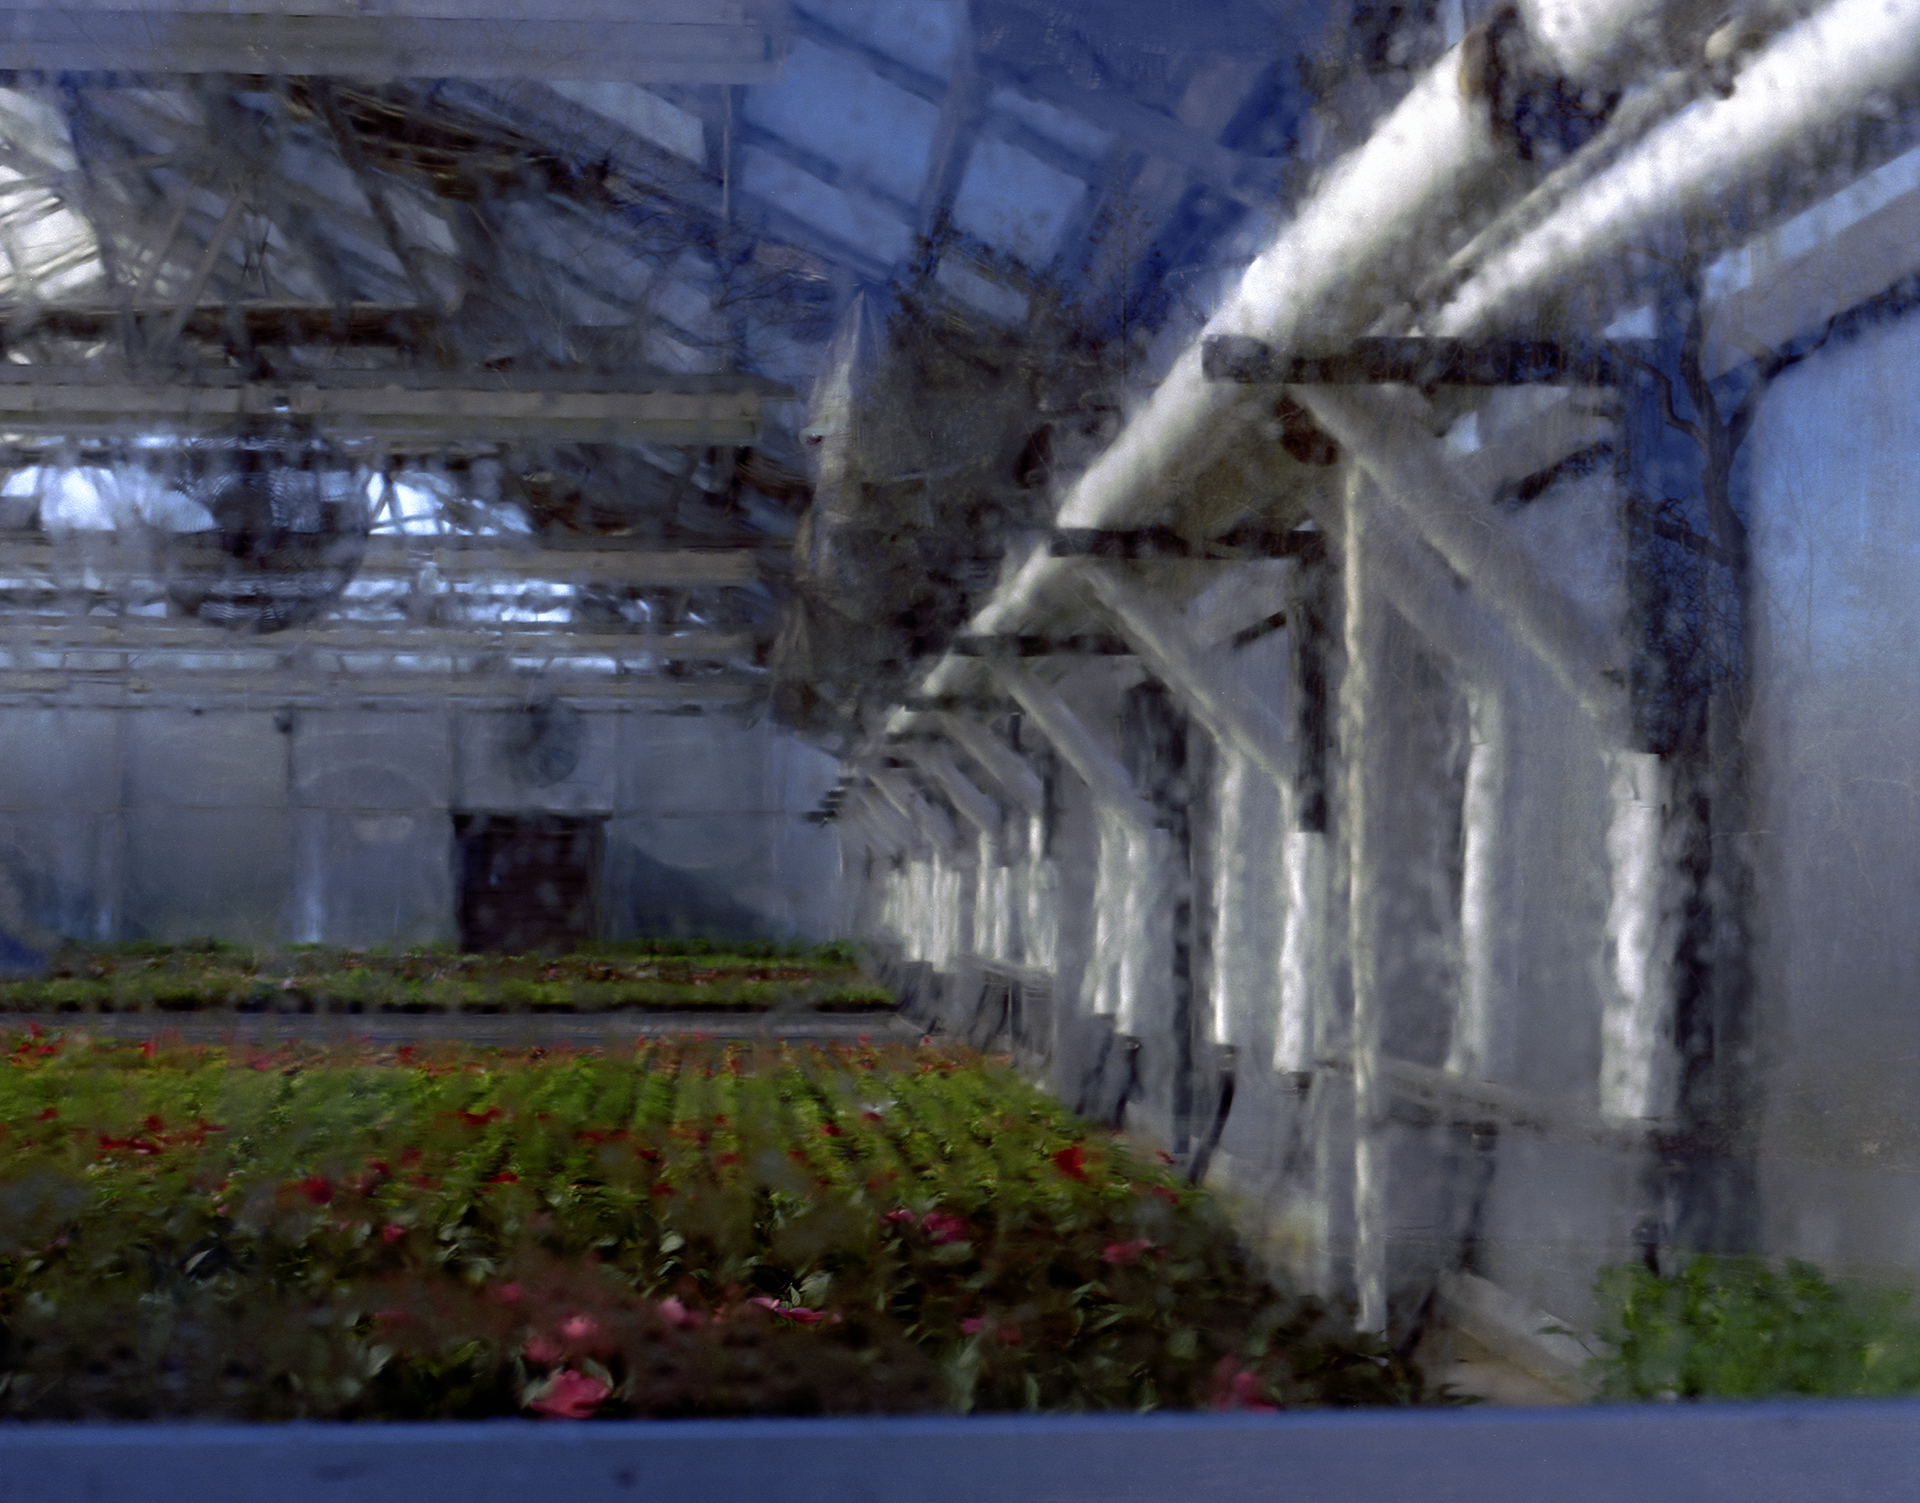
689	1229
642	975
1739	1328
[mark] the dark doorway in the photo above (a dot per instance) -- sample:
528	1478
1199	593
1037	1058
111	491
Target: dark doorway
528	881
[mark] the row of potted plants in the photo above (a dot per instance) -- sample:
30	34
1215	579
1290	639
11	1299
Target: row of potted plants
316	979
695	1228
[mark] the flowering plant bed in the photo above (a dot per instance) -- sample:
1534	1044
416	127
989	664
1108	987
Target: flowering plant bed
645	975
692	1229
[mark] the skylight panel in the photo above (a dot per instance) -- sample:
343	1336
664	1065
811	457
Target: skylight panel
918	32
832	105
1015	202
645	114
1060	126
852	221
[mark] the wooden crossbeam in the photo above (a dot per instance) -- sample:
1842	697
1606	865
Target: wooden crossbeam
144	635
695	41
104	560
72	401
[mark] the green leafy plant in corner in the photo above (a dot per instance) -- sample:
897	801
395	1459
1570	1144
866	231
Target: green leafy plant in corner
1740	1328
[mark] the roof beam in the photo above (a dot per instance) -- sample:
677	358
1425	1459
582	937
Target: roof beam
259	690
110	562
693	40
142	634
73	400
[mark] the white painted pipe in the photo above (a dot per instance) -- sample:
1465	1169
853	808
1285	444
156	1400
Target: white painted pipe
1431	162
1831	67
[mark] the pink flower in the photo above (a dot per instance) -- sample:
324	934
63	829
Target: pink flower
972	1324
569	1395
392	1233
506	1294
579	1328
899	1218
800	1313
540	1349
1124	1253
943	1226
674	1313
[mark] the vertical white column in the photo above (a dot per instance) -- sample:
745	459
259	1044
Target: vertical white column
1145	939
1040	921
1303	949
1235	988
1637	1059
1366	712
1102	985
1483	1014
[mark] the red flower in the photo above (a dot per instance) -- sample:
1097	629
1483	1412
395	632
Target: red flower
48	1115
901	1217
1236	1388
663	1189
1071	1161
504	1177
1008	1334
1124	1253
508	1294
409	1157
317	1188
943	1226
481	1119
146	1049
392	1233
828	1129
871	1116
569	1395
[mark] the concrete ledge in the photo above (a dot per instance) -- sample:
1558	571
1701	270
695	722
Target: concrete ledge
1516	1332
1664	1453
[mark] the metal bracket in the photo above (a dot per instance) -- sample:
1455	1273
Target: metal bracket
1426	363
1241	544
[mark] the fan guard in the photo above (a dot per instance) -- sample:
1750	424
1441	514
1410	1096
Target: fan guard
290	530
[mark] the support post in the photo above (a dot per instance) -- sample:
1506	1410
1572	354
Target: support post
1483	1017
1221	703
1366	712
1414	476
1006	766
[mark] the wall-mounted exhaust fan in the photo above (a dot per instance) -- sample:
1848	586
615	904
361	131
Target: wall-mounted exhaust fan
289	528
542	742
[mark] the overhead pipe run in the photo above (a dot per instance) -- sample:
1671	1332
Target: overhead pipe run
1434	161
1836	65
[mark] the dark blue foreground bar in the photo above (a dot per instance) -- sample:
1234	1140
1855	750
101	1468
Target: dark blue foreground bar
1758	1453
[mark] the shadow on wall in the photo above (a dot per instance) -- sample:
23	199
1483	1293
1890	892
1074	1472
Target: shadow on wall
650	898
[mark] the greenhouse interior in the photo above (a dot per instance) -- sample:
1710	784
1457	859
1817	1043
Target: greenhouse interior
1244	572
